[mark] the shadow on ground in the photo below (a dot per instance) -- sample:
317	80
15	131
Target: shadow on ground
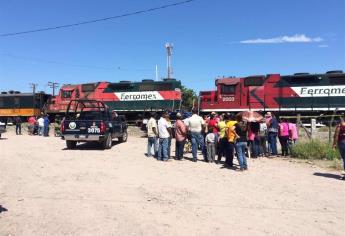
2	209
328	175
91	146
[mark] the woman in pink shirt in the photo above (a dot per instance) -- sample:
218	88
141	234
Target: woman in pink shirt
284	136
293	132
180	136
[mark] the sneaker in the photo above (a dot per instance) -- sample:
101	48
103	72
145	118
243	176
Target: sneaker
342	178
246	168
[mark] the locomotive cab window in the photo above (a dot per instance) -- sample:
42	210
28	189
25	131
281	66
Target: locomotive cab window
66	94
88	88
228	89
254	81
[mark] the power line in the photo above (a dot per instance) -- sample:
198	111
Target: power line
39	60
97	20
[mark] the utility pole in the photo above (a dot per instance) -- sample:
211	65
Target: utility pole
53	85
33	86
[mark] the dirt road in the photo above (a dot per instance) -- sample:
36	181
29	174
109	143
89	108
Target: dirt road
47	190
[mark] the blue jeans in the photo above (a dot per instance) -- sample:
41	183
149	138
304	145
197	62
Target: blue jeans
169	147
198	139
255	147
163	149
272	139
151	142
179	149
46	131
241	154
341	146
40	130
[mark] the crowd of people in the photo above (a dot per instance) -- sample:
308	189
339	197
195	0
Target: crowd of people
36	125
219	135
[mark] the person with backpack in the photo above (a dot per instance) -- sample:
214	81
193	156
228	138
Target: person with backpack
339	141
241	129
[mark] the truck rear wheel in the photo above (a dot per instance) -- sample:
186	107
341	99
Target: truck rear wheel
71	144
124	137
107	143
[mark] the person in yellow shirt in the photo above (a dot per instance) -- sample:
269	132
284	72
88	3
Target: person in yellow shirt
230	140
222	138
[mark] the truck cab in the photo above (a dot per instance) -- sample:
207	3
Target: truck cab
92	121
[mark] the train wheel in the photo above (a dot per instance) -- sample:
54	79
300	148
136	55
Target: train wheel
71	144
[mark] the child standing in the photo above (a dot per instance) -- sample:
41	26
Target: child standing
210	145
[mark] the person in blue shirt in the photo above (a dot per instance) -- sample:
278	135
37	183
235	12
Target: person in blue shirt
46	126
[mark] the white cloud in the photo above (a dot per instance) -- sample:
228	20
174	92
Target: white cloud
297	38
323	46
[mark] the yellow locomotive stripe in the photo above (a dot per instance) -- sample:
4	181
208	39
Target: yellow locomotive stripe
20	112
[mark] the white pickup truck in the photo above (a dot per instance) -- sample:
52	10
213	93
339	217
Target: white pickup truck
2	128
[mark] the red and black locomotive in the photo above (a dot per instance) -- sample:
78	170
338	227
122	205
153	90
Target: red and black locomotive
301	92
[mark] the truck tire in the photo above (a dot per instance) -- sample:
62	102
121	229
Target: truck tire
124	137
71	144
107	143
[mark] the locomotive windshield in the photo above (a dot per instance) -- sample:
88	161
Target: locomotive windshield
228	89
254	81
66	94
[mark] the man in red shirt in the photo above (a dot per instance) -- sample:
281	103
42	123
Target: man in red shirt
32	122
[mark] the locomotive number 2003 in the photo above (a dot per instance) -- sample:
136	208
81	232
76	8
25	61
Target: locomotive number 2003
228	99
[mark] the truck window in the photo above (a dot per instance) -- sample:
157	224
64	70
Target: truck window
228	89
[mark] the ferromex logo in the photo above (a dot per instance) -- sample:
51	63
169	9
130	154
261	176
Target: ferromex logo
320	91
139	96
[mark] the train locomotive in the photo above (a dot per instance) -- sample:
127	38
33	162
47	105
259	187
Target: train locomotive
124	97
298	93
14	103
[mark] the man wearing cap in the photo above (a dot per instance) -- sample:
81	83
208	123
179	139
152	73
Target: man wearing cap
196	125
180	136
152	134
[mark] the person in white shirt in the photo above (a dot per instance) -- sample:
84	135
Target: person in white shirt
164	133
152	133
40	122
195	126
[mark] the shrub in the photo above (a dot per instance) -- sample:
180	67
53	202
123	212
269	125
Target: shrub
314	150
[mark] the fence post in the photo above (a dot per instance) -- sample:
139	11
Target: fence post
330	126
313	128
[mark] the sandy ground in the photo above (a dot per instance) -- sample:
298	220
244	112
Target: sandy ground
47	190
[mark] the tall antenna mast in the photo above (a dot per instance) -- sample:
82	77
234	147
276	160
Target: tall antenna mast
33	86
169	48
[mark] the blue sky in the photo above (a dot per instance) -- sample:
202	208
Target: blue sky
211	38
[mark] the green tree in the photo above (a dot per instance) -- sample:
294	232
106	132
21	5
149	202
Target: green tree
188	96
